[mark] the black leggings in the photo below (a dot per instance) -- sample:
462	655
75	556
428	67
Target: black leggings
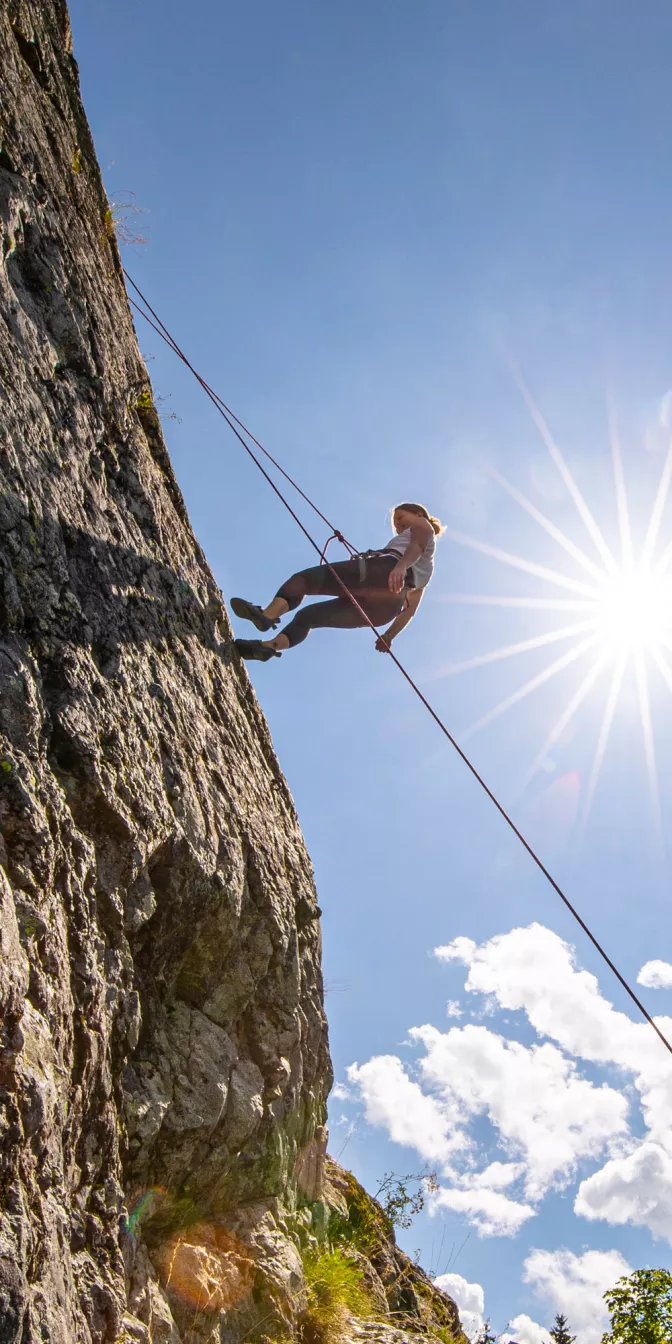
373	596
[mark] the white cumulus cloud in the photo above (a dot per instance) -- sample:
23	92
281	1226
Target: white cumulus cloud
575	1284
533	970
340	1092
633	1189
469	1300
393	1100
523	1330
545	1117
545	1113
497	1176
492	1213
655	975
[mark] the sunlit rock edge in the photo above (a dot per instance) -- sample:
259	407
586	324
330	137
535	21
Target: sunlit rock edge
164	1063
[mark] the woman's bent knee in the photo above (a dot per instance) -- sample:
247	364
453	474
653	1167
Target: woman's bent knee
293	591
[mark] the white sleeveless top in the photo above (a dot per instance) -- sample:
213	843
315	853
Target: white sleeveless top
423	568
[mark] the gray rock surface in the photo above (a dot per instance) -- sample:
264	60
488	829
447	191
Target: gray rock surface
164	1054
164	1065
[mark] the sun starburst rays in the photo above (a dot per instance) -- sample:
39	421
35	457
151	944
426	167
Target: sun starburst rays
563	721
647	729
627	556
532	603
518	562
657	511
622	601
511	650
558	535
564	472
532	685
605	731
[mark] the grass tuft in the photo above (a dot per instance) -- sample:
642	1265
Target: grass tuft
334	1287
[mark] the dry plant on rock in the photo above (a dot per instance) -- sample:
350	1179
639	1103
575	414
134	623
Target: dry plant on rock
334	1289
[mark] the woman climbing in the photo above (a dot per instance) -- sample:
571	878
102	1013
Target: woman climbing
388	585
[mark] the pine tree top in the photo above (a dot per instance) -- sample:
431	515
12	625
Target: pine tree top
560	1332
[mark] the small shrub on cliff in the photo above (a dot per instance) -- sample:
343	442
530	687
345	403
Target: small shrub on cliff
334	1287
398	1198
365	1224
486	1336
370	1221
118	220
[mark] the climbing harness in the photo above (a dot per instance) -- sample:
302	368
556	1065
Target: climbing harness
335	536
236	425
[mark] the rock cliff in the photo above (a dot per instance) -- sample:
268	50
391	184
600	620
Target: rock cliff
164	1064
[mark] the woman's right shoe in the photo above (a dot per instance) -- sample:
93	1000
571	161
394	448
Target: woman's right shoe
255	651
249	612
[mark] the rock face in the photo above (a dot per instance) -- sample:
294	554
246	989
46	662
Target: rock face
405	1302
164	1064
164	1050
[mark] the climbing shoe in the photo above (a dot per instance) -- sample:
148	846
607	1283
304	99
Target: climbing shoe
248	612
254	651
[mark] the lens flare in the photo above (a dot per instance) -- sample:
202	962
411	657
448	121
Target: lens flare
622	602
142	1206
206	1267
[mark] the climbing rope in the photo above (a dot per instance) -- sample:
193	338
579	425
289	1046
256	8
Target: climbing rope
229	416
236	425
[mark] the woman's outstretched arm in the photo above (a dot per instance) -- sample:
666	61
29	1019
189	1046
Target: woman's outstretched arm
401	621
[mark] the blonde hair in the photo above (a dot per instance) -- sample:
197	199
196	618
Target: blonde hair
422	512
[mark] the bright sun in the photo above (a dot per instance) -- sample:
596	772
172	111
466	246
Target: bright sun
632	612
621	608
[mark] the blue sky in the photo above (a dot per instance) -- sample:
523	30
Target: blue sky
357	217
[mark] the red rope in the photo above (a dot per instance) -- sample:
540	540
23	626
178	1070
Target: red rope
230	419
335	536
165	335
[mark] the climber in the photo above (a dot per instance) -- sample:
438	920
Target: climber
388	585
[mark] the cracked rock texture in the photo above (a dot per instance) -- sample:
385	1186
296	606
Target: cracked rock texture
164	1064
164	1055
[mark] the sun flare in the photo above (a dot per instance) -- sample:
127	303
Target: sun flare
632	612
618	609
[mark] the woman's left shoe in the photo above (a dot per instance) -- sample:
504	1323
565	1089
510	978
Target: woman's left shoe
255	651
248	611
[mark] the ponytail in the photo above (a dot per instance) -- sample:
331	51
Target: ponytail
422	512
